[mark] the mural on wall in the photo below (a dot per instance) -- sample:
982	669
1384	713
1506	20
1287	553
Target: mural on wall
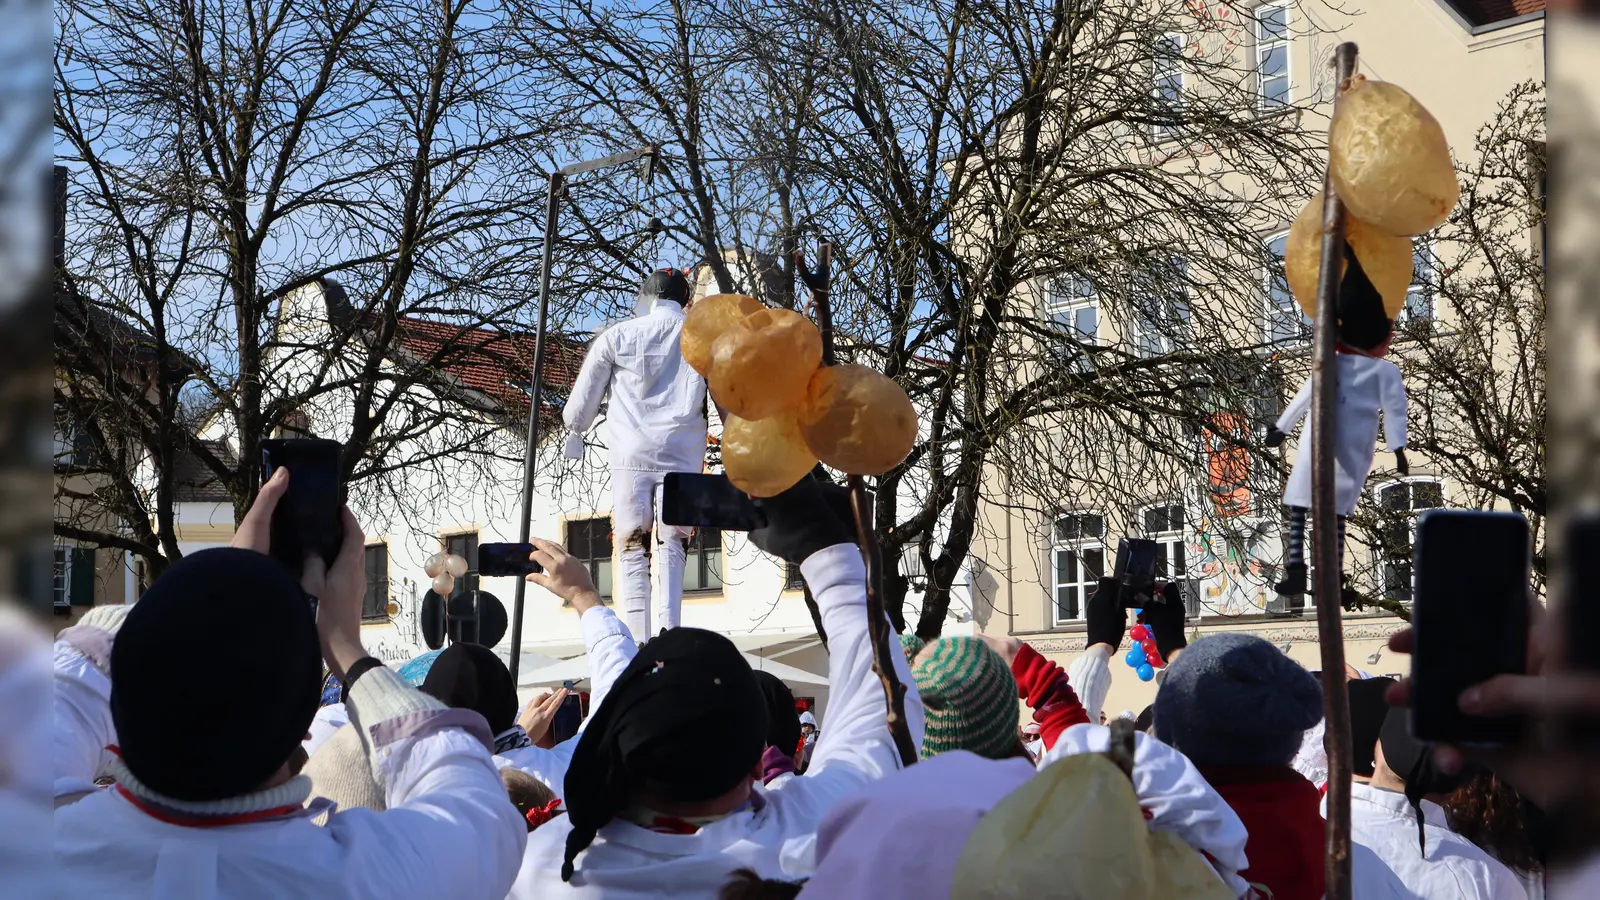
1230	558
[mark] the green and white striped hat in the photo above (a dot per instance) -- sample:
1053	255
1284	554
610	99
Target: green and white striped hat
969	698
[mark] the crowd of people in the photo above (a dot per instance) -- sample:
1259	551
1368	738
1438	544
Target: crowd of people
296	764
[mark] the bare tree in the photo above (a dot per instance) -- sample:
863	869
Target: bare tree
225	155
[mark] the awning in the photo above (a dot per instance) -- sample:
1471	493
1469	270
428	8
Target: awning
745	642
576	670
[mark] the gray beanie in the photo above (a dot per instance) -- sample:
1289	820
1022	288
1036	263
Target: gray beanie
1234	699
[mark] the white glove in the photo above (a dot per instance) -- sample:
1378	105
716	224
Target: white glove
573	449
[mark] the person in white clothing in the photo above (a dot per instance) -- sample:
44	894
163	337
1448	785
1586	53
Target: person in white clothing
1368	385
656	424
1392	816
663	795
203	696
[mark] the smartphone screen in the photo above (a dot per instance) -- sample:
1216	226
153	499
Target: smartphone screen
308	518
1470	620
568	717
708	501
506	559
1135	570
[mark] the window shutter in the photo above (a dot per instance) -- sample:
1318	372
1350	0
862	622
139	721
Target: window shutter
81	591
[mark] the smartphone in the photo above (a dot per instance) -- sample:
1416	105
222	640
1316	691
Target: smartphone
1135	570
567	719
1579	616
708	501
1470	620
308	519
496	560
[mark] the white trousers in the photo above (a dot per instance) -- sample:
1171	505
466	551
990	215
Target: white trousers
636	513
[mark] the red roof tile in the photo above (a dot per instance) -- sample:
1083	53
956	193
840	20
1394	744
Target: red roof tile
1485	12
495	363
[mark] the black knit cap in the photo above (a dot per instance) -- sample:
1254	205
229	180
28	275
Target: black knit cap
470	676
686	719
666	284
215	676
783	723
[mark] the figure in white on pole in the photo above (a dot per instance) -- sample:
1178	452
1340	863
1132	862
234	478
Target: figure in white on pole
655	424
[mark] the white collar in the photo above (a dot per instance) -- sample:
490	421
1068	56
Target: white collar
1397	805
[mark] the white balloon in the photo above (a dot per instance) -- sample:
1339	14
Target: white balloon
455	565
433	565
443	584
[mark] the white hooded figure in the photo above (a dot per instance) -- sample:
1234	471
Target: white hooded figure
655	424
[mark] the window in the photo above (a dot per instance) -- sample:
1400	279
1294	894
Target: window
590	541
1285	320
73	445
1419	296
1399	504
1272	55
73	575
792	579
1167	84
1160	306
1164	524
1071	304
376	604
466	547
1079	560
702	571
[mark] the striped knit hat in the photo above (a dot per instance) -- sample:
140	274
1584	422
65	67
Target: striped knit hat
912	644
969	697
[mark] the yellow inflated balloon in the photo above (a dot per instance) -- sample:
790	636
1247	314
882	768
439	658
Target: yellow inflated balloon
706	321
1386	258
761	366
766	457
1389	159
857	420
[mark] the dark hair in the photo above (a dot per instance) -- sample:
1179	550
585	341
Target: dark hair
1489	813
745	884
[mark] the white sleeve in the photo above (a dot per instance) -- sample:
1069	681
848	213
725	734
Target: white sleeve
855	748
1090	676
583	404
82	727
1297	408
1392	393
449	830
1175	796
611	647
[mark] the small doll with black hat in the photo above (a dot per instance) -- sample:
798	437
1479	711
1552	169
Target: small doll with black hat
1369	385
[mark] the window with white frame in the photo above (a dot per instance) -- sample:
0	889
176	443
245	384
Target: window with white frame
1167	84
1419	296
590	540
702	570
1272	55
1071	302
1078	556
1285	320
1160	300
1399	505
1163	523
61	584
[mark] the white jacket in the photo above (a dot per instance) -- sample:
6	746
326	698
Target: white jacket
656	419
1174	795
1366	386
448	832
1384	822
610	648
776	833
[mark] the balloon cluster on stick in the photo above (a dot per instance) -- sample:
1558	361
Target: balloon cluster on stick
444	569
786	409
1390	163
1145	657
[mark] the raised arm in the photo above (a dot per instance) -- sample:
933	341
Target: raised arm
583	404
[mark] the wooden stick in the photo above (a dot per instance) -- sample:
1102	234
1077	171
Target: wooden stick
819	283
1324	519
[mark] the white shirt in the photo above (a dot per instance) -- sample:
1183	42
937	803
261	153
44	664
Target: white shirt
1175	796
776	834
328	720
1366	386
1454	868
656	419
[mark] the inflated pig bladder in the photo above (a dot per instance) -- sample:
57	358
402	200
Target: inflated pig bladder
857	420
1386	258
761	366
1389	159
766	457
706	320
